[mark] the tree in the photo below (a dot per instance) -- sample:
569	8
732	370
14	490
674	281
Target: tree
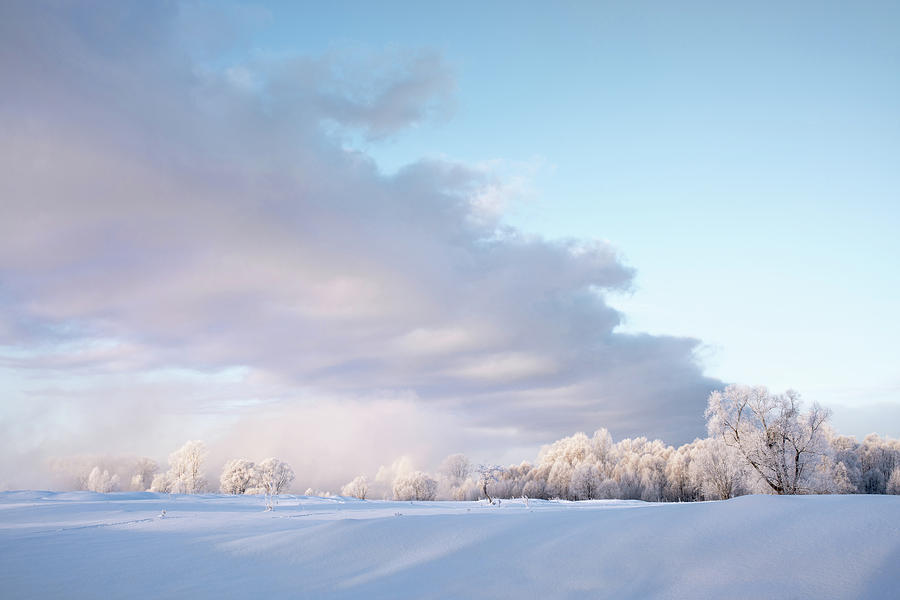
878	457
102	481
162	483
238	476
893	484
488	474
560	458
585	483
456	468
718	469
781	444
415	486
274	476
681	486
143	472
358	488
186	469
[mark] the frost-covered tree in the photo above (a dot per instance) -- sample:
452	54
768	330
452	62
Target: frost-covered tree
681	486
653	477
718	469
782	444
186	469
102	481
586	481
415	486
358	488
453	480
603	453
274	476
161	483
456	468
640	469
488	474
559	460
238	476
142	475
841	482
878	457
534	488
848	468
74	472
893	484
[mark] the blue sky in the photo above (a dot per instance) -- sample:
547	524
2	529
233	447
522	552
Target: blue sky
354	232
742	159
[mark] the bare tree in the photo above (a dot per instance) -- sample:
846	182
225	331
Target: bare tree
779	442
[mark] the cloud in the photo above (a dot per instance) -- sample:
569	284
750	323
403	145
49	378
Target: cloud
160	215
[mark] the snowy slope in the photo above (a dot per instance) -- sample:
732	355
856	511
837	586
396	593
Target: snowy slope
85	545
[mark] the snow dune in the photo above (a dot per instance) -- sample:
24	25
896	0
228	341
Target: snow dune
86	545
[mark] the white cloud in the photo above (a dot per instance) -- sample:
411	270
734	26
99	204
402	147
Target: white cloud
204	228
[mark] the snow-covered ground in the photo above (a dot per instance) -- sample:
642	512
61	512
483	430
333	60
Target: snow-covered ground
86	545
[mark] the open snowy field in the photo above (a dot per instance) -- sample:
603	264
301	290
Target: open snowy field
86	545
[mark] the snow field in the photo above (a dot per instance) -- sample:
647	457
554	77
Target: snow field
87	545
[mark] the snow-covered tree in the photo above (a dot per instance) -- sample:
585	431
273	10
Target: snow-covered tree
358	488
681	486
467	490
603	452
893	484
415	486
456	468
274	476
586	481
238	476
161	483
559	460
142	475
186	469
718	469
841	479
488	474
848	468
783	445
878	457
102	481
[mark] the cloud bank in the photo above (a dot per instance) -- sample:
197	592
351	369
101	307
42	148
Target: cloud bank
189	249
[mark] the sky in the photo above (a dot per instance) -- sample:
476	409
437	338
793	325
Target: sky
344	234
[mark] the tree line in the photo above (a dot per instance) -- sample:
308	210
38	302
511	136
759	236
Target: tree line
758	442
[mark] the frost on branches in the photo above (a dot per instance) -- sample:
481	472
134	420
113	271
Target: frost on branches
358	488
238	476
185	474
783	445
415	486
758	443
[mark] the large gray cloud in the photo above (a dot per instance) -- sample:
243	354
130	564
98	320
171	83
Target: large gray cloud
160	215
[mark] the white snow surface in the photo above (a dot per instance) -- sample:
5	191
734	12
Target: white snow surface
87	545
